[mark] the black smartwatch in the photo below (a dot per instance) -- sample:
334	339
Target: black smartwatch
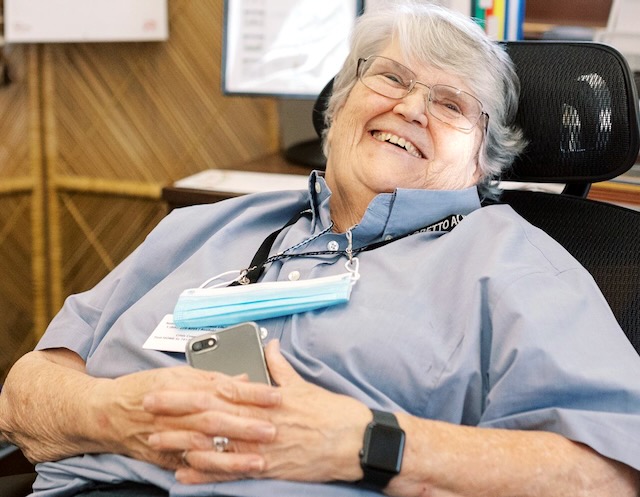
381	454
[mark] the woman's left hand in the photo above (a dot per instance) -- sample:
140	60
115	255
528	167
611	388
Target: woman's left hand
318	434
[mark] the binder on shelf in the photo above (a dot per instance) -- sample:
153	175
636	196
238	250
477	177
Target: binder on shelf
501	19
514	20
480	11
496	20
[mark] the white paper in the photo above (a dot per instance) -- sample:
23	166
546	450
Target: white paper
35	21
167	337
222	180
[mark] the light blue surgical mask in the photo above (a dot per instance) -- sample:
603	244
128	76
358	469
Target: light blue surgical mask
223	306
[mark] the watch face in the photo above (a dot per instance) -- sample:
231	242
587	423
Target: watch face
386	452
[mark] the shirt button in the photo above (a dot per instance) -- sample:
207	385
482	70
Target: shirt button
388	237
318	187
294	276
333	246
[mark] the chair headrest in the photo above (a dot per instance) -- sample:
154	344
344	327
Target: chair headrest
578	109
320	107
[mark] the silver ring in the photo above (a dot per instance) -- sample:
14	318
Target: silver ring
183	457
221	444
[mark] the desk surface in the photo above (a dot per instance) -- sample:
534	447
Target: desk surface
618	192
176	196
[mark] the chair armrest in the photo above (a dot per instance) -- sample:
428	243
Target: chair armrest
13	461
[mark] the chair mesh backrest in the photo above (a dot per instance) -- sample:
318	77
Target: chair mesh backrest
604	238
577	111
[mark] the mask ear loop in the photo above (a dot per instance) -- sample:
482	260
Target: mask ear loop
239	272
353	264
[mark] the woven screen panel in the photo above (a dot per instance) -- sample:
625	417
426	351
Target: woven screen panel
153	111
15	117
97	233
17	290
102	127
140	116
22	288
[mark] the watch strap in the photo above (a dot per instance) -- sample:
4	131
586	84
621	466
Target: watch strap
386	418
376	478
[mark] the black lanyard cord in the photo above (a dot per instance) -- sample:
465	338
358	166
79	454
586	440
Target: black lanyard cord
256	268
261	258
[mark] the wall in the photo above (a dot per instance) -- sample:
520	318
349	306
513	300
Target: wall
90	134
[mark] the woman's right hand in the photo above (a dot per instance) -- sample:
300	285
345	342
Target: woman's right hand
52	409
119	410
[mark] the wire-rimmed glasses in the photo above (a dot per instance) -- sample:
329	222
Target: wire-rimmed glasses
447	104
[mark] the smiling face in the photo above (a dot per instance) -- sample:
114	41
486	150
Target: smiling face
378	144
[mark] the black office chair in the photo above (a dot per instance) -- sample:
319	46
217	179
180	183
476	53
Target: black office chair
579	111
16	473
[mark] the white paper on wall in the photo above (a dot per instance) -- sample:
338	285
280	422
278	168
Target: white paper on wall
38	21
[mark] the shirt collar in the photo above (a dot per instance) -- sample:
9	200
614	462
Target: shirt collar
394	214
319	194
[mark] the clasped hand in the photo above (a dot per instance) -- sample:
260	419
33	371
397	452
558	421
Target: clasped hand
295	431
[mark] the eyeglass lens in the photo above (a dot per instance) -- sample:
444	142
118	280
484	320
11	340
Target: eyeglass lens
446	103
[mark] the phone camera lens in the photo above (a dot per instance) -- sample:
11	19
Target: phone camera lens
204	344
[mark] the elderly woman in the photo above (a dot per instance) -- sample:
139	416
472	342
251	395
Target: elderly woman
473	357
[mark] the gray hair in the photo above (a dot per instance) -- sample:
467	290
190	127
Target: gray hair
454	43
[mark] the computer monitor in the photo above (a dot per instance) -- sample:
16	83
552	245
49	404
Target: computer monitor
288	49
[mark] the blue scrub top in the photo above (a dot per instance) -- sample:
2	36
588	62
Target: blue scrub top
492	324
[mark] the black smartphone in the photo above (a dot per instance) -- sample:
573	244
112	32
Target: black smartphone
234	350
